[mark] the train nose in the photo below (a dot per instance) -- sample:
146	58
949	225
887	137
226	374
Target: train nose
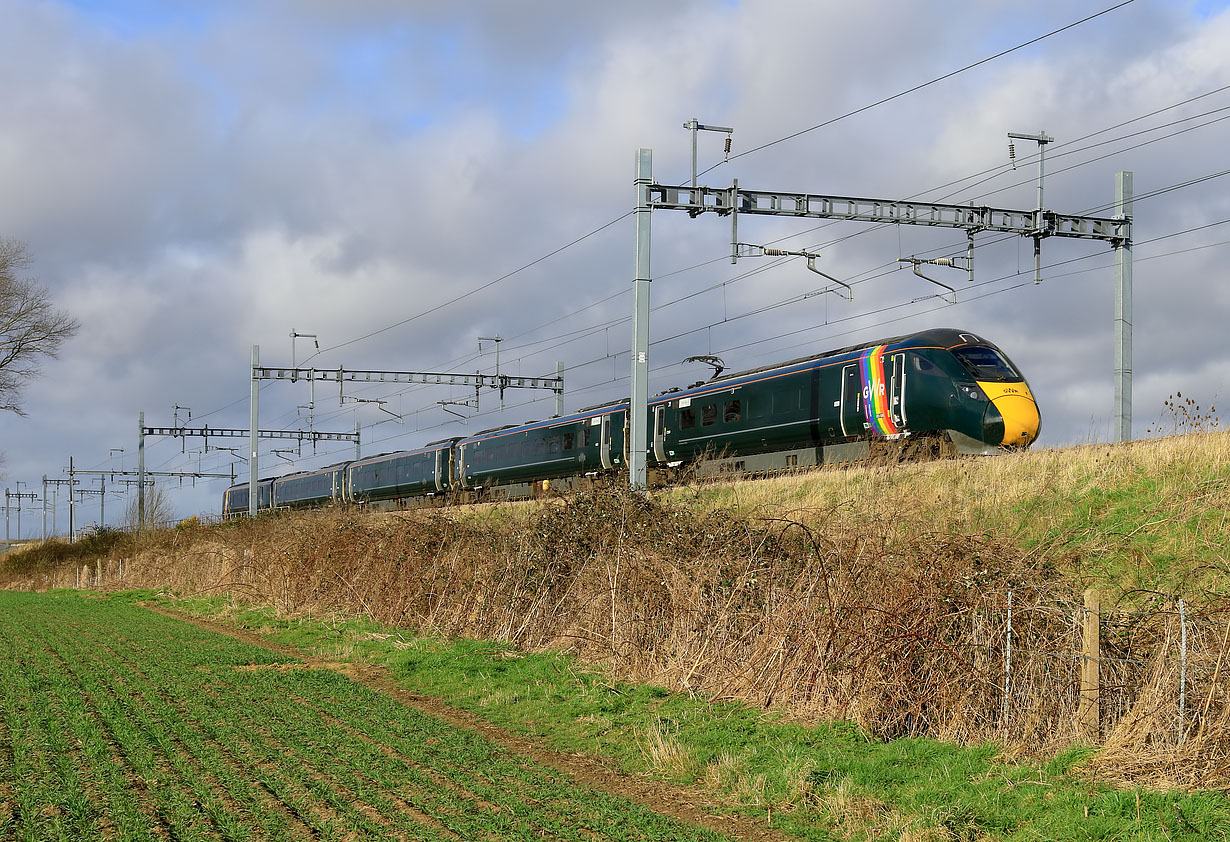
1016	415
1021	420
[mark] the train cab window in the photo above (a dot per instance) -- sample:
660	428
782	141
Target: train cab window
732	411
925	366
986	363
708	415
687	418
569	441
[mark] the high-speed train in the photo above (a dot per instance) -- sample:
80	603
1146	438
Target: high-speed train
942	390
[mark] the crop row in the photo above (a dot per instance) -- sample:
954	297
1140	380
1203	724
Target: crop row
119	723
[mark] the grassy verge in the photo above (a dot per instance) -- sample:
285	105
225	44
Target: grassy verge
1141	516
812	782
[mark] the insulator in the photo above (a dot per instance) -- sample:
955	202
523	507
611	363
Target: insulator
727	144
1012	153
774	252
943	261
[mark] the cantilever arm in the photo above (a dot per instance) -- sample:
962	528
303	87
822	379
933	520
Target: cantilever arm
917	262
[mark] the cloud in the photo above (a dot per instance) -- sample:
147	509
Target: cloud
200	179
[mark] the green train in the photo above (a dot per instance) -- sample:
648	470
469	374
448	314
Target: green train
936	391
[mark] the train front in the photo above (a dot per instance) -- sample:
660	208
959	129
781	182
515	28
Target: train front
1010	417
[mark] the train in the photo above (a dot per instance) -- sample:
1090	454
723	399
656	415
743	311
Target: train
936	391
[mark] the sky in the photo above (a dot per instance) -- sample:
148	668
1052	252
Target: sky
401	178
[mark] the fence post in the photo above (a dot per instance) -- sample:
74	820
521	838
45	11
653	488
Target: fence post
1008	663
1089	710
1182	666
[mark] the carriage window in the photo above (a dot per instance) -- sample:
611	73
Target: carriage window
569	441
708	415
540	447
687	418
731	412
786	401
553	444
757	408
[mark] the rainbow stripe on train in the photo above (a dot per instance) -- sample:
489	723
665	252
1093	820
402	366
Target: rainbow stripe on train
875	392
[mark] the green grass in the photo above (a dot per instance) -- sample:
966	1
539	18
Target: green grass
122	724
813	782
1144	516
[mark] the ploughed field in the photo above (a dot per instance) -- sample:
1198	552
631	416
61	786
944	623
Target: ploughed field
117	723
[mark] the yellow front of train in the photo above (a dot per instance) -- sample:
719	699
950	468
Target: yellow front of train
1016	409
1011	417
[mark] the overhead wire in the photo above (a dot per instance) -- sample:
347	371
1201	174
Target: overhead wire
829	122
872	276
939	305
769	144
606	225
919	87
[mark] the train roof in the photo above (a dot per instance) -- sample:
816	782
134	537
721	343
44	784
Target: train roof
943	336
936	337
337	466
245	484
393	454
619	404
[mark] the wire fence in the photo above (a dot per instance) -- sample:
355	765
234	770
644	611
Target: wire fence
1167	655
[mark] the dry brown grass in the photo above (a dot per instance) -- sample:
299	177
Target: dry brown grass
868	594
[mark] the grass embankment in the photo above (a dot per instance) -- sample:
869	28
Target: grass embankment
1149	516
875	596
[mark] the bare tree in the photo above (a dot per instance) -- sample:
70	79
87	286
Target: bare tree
158	509
30	326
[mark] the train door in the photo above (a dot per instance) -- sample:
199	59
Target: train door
440	466
604	442
659	433
896	391
853	420
462	482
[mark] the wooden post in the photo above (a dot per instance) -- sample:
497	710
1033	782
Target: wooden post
1090	721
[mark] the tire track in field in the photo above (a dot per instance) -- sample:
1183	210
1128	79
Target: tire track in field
659	796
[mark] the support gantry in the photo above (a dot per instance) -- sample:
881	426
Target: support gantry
341	376
1037	224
